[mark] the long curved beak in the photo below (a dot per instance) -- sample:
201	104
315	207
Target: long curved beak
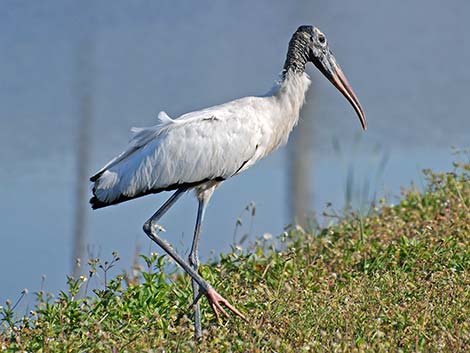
328	66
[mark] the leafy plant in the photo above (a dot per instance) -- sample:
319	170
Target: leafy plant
397	279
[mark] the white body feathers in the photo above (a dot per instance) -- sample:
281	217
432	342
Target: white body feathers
210	144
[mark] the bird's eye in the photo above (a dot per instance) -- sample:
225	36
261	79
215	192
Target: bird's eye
321	39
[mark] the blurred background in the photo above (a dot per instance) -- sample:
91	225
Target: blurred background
76	76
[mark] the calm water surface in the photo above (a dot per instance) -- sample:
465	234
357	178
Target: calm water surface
408	63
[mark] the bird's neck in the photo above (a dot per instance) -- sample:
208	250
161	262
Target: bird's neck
290	93
294	81
286	99
297	54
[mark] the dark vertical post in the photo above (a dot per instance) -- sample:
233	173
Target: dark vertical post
300	151
300	173
83	144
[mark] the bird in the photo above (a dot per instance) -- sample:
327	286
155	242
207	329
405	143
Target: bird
200	150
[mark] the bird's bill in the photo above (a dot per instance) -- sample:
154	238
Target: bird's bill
333	72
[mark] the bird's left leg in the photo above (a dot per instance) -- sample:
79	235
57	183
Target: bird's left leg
194	262
150	228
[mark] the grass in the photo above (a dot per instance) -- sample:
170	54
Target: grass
396	280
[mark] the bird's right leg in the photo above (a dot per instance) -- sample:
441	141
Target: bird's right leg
194	261
150	228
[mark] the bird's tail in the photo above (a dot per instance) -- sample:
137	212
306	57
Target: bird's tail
102	190
114	185
95	203
109	187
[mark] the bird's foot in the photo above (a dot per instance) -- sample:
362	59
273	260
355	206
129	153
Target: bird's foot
216	301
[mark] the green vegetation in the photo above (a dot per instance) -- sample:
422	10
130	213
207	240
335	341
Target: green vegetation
395	280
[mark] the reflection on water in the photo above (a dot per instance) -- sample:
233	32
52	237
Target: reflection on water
409	70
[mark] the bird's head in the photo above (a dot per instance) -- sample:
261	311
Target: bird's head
310	44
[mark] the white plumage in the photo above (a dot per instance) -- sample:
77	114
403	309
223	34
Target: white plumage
200	150
210	144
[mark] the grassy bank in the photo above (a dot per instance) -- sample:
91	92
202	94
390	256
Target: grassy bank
395	280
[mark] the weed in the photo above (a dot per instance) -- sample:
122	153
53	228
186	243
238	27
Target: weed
396	279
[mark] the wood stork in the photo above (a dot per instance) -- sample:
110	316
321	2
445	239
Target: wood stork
200	150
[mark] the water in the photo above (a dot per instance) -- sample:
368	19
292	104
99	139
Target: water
407	63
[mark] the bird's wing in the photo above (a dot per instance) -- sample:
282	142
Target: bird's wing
139	137
214	143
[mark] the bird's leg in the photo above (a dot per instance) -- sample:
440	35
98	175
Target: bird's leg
150	228
194	262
